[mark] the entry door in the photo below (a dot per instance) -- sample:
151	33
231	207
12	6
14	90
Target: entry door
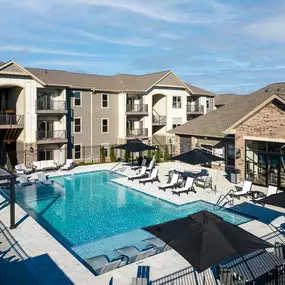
273	170
45	100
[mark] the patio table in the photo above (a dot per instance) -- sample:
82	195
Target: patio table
253	265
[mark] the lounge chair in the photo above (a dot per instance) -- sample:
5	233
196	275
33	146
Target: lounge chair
205	183
189	186
23	179
25	169
133	254
140	166
172	184
151	166
270	191
102	264
157	243
153	177
68	165
245	191
142	174
43	179
19	169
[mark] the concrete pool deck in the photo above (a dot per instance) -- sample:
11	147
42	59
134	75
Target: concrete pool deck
46	261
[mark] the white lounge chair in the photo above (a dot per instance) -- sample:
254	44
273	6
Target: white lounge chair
271	190
246	188
43	179
133	254
102	264
68	165
153	177
19	169
189	186
142	174
44	165
23	179
26	170
172	184
151	166
140	166
37	166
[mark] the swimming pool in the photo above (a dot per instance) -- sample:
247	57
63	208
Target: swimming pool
85	208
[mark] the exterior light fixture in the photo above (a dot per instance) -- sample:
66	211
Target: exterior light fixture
238	154
31	149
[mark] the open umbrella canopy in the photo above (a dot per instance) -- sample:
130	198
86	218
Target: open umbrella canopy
205	239
277	200
197	156
135	146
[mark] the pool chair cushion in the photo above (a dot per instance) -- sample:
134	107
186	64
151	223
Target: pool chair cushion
142	174
153	177
189	186
134	254
246	188
172	184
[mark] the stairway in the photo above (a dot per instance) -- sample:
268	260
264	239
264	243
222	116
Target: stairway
11	135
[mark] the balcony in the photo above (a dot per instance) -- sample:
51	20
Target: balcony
159	120
137	109
47	137
137	132
8	106
11	121
195	109
51	107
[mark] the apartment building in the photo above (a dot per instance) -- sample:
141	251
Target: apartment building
52	114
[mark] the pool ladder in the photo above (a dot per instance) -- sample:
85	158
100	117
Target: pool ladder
228	199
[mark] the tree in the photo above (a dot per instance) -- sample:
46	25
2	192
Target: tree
112	154
127	156
166	153
149	154
103	154
158	155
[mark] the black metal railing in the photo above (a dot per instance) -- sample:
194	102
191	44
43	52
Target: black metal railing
11	119
159	120
195	108
137	108
51	135
143	132
52	105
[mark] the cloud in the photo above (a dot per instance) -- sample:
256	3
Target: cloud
36	50
135	41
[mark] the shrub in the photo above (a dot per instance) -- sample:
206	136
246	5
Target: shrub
112	154
158	155
127	156
149	154
166	153
103	155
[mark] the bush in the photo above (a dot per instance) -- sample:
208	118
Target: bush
112	154
166	154
127	156
158	155
149	154
103	155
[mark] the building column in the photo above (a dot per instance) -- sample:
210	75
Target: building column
31	153
177	145
240	161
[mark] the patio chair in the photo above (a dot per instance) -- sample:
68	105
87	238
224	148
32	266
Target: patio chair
157	243
245	191
102	264
140	166
189	186
226	276
25	169
23	179
142	174
205	183
153	177
151	166
37	166
133	254
202	175
172	184
270	191
43	179
68	165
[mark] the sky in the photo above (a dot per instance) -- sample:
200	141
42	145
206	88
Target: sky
230	46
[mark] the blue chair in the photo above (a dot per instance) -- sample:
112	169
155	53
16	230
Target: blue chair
144	272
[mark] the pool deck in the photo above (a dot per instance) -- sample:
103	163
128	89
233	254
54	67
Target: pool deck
40	259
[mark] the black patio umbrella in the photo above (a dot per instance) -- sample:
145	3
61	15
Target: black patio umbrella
277	200
197	156
135	146
204	239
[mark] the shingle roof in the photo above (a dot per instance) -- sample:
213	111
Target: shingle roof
199	91
217	121
223	99
2	63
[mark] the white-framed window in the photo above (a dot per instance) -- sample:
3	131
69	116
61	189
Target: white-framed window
207	103
176	122
45	154
176	103
105	100
77	98
77	125
77	151
105	125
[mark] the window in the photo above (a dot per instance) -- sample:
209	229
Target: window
77	151
105	125
45	154
77	125
207	104
77	98
176	102
176	122
105	101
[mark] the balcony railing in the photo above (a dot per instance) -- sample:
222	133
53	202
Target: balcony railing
51	135
195	109
137	133
11	119
137	108
52	105
159	120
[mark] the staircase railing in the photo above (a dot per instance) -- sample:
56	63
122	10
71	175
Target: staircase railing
228	198
157	119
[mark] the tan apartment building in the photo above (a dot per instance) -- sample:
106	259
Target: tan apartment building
249	132
53	114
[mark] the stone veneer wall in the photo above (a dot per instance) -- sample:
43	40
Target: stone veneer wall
177	145
31	156
269	122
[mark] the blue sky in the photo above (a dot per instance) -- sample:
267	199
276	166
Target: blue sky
222	46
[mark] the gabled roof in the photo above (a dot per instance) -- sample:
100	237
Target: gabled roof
216	122
198	91
223	99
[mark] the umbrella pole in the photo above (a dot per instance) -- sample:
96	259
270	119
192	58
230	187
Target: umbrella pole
217	178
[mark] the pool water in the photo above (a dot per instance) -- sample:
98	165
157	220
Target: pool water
88	207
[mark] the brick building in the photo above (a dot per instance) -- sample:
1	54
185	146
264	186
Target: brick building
249	132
